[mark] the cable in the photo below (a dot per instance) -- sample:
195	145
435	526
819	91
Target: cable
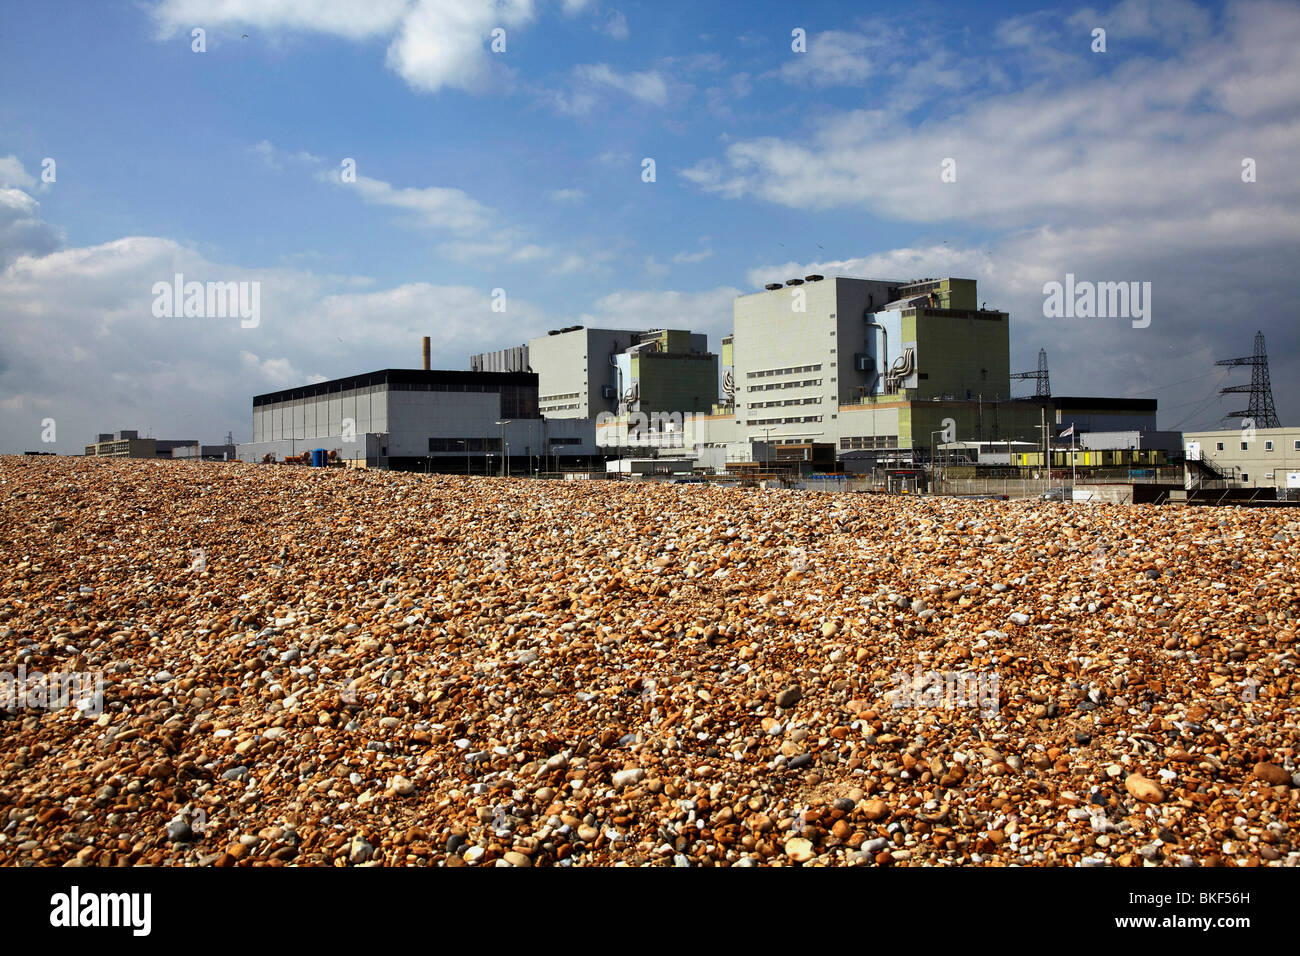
1213	398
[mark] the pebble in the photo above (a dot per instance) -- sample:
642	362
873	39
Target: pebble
626	778
799	850
789	696
1143	788
178	831
586	703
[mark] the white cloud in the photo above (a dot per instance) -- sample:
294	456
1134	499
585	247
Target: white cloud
566	195
708	311
276	158
833	58
435	44
590	83
1173	22
1130	144
22	230
344	18
692	257
616	26
12	173
453	210
84	348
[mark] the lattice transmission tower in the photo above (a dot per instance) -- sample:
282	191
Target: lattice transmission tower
1261	408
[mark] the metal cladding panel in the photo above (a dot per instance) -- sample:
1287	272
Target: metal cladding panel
415	417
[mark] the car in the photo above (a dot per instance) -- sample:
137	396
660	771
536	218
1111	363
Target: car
1057	494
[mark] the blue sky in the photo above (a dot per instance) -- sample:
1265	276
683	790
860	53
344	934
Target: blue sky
522	170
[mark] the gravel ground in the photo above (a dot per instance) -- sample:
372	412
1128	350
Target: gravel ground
319	667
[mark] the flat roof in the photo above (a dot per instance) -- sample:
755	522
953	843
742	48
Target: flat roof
397	376
1098	403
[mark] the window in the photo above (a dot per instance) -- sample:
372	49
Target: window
1218	446
1245	446
1296	446
1268	446
1245	477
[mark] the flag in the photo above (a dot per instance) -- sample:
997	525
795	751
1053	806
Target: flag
1067	433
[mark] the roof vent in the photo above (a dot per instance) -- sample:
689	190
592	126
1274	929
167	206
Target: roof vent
794	281
813	278
772	286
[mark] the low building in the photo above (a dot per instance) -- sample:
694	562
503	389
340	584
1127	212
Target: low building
1249	458
127	443
419	419
197	452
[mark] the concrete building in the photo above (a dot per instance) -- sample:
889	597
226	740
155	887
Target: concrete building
1264	458
880	368
418	419
128	444
584	372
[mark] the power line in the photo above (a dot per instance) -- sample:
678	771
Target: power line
1206	404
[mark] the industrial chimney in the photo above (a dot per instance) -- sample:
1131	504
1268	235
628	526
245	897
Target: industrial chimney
426	353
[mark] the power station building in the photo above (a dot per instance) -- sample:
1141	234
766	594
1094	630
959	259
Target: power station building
416	419
583	372
838	373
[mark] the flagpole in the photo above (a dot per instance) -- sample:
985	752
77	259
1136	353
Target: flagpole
1074	468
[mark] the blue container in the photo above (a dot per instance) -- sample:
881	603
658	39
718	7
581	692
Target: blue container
318	457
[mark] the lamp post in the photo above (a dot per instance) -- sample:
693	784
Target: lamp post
503	423
934	468
767	447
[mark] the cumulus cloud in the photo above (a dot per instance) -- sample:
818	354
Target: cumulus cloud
22	231
86	349
434	45
708	311
13	174
1132	143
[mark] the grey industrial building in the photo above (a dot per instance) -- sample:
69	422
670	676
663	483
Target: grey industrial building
841	373
583	372
441	420
127	443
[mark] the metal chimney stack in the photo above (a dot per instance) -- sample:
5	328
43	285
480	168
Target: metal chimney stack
426	353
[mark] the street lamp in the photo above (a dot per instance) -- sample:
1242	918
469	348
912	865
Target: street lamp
504	463
934	469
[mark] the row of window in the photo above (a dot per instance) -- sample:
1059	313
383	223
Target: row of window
556	398
465	444
783	421
869	441
1245	446
767	373
559	408
791	401
801	383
